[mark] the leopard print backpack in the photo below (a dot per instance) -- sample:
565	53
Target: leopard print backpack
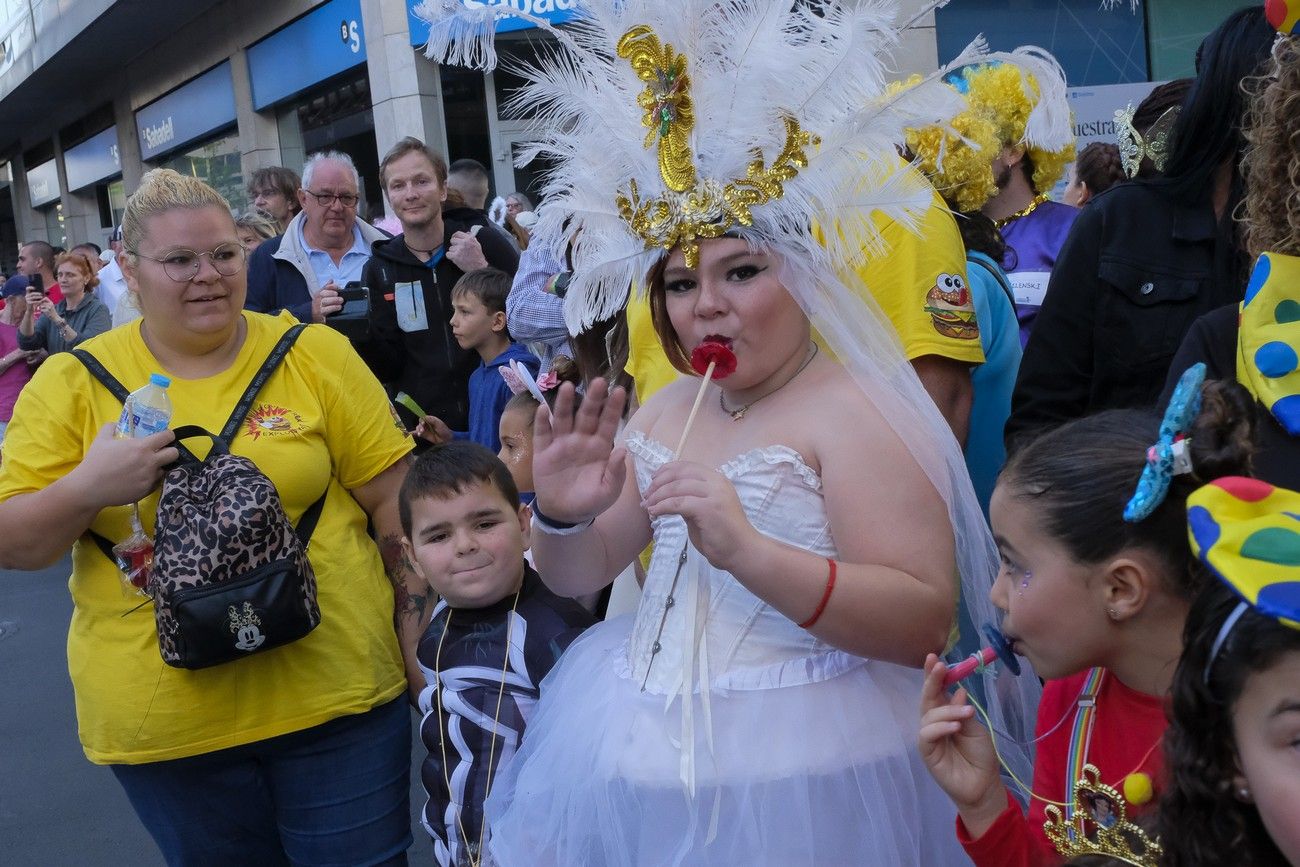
230	574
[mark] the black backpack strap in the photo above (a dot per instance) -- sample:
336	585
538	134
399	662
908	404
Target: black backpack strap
118	390
259	379
998	276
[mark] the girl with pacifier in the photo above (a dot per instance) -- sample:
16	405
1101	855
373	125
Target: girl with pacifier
1095	584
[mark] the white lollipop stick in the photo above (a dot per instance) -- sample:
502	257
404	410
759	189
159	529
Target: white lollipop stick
699	397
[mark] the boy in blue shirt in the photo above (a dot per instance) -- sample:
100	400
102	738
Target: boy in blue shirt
479	323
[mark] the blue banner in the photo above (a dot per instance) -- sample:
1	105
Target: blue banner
93	160
43	184
189	112
554	11
326	41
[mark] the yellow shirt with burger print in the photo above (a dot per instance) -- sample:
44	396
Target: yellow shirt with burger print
920	284
321	423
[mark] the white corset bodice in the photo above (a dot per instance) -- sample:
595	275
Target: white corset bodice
744	643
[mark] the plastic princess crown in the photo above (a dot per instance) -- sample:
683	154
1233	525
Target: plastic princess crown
1134	147
1099	825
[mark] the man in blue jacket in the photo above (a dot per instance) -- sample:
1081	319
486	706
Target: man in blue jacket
323	248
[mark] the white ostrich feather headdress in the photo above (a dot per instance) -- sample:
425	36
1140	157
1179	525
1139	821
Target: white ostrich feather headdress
670	123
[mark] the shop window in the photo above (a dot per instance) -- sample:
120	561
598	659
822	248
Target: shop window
1176	29
1094	45
55	231
111	198
337	117
464	106
217	163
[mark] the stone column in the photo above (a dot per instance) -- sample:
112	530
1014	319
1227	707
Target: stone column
404	87
919	50
259	134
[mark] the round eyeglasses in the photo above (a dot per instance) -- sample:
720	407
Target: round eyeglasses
183	265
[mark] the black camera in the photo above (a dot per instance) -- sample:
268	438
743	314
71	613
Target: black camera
353	320
37	284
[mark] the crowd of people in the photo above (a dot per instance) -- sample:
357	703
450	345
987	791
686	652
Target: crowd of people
675	505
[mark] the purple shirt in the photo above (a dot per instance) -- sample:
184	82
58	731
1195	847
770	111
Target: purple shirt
1032	245
13	379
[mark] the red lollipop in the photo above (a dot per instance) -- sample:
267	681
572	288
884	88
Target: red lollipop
712	359
718	354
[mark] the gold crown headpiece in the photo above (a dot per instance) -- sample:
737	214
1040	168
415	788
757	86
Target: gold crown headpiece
1134	147
691	210
1099	825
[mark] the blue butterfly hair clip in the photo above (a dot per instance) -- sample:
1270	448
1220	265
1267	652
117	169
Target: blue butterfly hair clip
1168	457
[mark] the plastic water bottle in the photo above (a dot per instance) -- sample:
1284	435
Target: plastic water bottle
147	410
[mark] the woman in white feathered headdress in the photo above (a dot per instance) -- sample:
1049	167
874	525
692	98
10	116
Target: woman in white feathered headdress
760	706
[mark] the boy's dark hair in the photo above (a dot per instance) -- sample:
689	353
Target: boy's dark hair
469	168
449	469
489	285
1080	476
1200	817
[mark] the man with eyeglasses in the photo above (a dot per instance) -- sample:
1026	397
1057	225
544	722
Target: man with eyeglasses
323	248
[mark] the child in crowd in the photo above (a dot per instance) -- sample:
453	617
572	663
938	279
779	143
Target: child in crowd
516	427
495	633
1095	595
479	323
1234	770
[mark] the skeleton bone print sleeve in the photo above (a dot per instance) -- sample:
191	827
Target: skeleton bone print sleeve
478	700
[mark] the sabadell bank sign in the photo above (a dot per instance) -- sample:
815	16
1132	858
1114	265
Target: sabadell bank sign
554	11
160	134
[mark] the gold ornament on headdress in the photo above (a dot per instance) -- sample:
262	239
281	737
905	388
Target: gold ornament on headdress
1134	147
691	210
1100	825
667	103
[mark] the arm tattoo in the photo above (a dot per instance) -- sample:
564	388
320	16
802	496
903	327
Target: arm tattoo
405	603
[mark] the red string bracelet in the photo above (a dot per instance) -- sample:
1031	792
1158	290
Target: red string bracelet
826	597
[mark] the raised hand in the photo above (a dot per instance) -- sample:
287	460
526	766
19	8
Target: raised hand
577	471
706	499
959	751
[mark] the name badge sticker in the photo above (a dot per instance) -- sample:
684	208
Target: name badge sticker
1029	287
408	298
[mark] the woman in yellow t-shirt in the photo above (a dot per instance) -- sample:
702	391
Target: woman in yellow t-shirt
298	754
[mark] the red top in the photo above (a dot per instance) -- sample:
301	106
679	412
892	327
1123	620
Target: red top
1126	726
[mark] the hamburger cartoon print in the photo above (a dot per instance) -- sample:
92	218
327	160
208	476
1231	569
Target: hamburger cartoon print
949	304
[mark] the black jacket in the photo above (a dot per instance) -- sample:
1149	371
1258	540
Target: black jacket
1134	273
1213	340
426	363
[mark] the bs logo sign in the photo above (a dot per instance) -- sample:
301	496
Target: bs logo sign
350	33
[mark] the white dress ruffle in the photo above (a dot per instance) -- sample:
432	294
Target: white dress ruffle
794	753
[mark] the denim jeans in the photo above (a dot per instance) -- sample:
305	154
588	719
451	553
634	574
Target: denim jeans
338	793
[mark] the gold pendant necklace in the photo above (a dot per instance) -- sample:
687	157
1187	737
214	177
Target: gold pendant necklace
1023	212
474	858
738	414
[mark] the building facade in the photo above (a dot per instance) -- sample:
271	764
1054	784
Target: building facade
93	93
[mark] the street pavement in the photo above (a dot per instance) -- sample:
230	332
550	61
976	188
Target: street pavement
56	808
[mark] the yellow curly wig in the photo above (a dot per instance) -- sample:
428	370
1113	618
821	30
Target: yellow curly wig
959	168
1005	95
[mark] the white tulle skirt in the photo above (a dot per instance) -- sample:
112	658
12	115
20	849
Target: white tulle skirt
819	773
